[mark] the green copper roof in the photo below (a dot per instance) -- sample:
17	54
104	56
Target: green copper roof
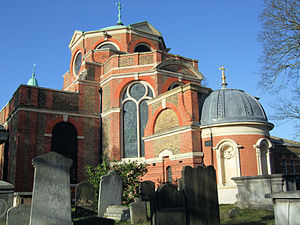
32	81
112	28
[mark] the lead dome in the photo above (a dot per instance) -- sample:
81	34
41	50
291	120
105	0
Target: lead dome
231	105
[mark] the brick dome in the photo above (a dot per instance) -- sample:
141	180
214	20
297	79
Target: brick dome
231	105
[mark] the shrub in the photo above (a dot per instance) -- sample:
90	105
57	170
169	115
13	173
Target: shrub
131	172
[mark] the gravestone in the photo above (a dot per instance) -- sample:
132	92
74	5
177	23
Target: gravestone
94	220
84	199
146	190
19	215
51	198
6	198
138	211
110	192
168	206
200	188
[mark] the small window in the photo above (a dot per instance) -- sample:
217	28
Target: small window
108	46
169	174
142	48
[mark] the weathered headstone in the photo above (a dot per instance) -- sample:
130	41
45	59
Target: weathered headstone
200	188
117	213
168	206
51	198
146	190
138	211
19	215
94	220
84	199
110	192
6	198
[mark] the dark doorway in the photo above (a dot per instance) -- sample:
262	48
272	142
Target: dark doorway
64	141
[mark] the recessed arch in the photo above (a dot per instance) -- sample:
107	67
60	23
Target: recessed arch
142	47
108	45
263	146
64	142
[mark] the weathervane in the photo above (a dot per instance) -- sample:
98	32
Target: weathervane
119	23
224	84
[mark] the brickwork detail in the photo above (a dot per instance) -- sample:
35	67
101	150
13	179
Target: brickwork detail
89	98
65	102
106	145
166	120
106	99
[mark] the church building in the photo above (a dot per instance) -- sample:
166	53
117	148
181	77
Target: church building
126	98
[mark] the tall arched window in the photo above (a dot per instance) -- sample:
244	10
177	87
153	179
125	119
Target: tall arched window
169	174
135	118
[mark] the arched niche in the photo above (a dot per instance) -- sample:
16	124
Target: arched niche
263	146
228	162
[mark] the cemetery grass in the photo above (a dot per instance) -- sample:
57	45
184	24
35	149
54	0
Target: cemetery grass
243	217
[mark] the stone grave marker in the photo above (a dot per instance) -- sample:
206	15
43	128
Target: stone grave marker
200	188
138	211
146	190
51	198
168	206
6	198
110	192
84	199
19	215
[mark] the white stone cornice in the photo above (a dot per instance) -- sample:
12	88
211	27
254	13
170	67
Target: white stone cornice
110	111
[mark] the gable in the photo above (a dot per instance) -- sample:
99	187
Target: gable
145	27
77	34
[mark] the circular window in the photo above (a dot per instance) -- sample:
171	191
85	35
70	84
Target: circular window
77	63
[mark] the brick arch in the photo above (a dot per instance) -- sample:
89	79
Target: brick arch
109	39
151	124
141	40
78	48
128	80
51	124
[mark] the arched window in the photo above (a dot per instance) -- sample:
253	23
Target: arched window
64	142
169	174
135	118
173	85
142	48
107	46
77	63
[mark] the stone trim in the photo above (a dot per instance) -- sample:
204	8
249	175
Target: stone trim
110	111
171	132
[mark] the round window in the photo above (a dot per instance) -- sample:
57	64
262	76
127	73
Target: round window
77	63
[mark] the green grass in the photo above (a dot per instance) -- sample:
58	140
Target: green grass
244	217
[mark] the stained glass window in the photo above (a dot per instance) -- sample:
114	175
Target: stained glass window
135	118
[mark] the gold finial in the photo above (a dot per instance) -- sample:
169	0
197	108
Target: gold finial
224	84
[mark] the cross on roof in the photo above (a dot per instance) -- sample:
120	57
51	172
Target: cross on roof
224	84
119	23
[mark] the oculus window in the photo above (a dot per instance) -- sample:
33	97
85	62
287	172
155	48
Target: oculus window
135	118
77	63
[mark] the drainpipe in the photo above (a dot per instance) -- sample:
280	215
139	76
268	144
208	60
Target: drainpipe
100	126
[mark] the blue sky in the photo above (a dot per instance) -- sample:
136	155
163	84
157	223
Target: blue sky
215	32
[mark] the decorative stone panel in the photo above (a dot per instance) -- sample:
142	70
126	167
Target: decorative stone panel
171	143
126	61
145	59
166	120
